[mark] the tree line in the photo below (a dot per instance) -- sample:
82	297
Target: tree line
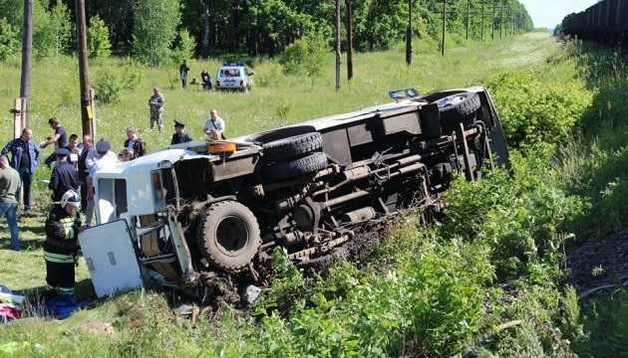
155	30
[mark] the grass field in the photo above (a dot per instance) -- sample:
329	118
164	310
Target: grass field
434	295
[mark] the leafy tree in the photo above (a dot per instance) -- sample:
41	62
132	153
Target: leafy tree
185	47
305	56
9	42
155	28
98	38
52	30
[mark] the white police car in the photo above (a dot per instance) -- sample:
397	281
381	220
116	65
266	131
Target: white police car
234	76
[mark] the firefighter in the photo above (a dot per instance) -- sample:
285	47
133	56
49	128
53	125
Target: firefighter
61	246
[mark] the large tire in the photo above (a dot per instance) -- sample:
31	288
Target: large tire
229	236
457	108
293	147
295	168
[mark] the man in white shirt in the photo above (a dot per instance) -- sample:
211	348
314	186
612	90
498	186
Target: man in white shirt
98	159
215	126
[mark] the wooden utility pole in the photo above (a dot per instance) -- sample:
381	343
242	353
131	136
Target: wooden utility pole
468	18
87	105
337	45
22	104
349	39
409	35
482	25
442	44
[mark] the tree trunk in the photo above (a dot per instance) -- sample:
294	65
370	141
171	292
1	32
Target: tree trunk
409	35
205	38
337	44
349	39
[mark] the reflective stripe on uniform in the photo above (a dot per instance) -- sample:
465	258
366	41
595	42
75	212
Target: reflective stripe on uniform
68	227
59	258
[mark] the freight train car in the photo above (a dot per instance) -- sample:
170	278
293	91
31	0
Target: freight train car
605	22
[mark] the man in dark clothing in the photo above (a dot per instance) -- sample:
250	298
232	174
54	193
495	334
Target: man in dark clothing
64	176
59	138
183	73
179	135
207	80
73	148
24	159
134	143
88	145
61	245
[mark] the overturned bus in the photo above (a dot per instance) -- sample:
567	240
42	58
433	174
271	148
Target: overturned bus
190	212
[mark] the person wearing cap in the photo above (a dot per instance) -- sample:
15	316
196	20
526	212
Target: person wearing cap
134	144
179	135
61	246
98	159
64	176
25	156
215	126
10	185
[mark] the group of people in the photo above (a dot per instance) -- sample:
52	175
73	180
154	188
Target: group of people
71	183
184	71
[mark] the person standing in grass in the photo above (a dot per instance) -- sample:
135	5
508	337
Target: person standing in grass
25	159
64	176
86	148
134	144
61	246
10	186
59	138
156	104
179	135
215	126
184	70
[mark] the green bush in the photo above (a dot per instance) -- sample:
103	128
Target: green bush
9	40
108	88
155	27
98	38
536	112
305	56
52	30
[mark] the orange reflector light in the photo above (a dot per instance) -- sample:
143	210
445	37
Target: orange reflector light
221	147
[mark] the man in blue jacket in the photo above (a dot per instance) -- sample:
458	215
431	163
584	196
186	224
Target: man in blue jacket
25	159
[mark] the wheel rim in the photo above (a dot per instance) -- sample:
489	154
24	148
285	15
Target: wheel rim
232	235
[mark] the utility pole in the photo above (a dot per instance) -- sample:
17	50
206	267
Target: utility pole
337	45
444	27
482	25
409	35
349	39
22	104
468	18
87	105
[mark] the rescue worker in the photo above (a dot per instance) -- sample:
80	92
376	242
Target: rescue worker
64	176
156	104
134	143
61	245
215	126
179	135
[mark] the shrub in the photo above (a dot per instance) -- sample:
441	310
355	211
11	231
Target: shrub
304	56
52	30
535	112
98	38
9	42
185	47
155	26
108	87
